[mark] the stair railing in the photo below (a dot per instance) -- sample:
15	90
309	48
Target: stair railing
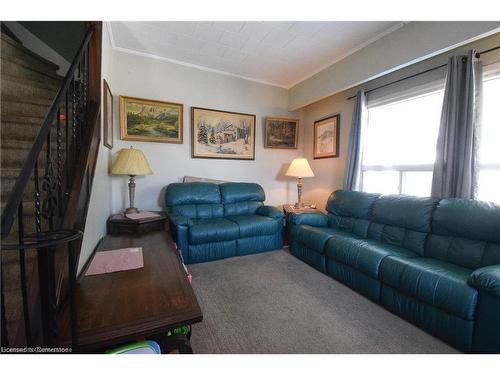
59	171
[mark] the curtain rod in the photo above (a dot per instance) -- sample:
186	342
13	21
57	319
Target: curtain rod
420	73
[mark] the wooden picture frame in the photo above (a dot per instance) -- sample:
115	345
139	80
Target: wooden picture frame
107	115
151	120
281	133
217	134
326	137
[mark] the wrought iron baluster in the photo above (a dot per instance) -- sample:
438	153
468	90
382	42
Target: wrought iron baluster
86	88
59	163
38	213
49	185
74	120
79	102
67	145
22	271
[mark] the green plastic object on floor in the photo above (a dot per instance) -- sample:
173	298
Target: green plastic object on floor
140	347
183	330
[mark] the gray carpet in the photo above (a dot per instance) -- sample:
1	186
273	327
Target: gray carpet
275	303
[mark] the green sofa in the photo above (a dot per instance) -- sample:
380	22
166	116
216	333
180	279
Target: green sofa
433	262
213	221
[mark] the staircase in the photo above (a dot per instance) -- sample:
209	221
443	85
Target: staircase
29	84
49	142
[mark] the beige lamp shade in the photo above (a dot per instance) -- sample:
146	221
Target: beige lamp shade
132	162
299	168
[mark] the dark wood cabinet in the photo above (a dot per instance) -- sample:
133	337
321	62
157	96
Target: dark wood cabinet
120	224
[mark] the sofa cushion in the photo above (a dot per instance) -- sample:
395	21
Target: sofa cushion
192	193
467	218
198	211
354	204
194	200
403	211
432	281
256	225
349	224
232	192
402	221
315	238
212	230
362	254
241	208
466	233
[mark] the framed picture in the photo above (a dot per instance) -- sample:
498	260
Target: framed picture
281	133
150	120
326	137
108	115
222	135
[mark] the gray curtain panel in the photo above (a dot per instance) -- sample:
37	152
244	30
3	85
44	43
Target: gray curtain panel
455	169
352	178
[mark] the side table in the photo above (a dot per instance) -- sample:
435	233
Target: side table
120	224
290	208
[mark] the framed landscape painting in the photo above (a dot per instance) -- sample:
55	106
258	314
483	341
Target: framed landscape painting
222	135
281	133
150	120
326	137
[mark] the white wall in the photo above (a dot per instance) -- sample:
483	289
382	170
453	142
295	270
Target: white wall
149	78
329	173
100	199
410	44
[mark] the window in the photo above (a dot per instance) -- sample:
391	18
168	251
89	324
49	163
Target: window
489	146
400	145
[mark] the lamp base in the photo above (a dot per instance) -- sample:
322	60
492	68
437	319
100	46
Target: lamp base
131	210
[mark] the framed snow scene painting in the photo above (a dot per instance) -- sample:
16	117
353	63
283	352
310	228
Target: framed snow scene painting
222	135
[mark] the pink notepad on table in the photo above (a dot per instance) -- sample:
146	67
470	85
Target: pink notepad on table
116	260
142	215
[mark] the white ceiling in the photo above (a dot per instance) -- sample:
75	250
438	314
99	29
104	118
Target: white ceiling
279	53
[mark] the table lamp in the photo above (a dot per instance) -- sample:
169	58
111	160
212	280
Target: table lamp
299	168
131	162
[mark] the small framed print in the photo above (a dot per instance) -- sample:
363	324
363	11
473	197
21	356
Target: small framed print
108	115
326	137
281	133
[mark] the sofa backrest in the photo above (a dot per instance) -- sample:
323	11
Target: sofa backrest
350	211
465	232
195	200
241	198
402	220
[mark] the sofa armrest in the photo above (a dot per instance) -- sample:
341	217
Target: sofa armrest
179	228
313	219
486	279
270	211
179	220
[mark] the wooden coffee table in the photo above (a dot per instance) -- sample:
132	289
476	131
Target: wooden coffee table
116	308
